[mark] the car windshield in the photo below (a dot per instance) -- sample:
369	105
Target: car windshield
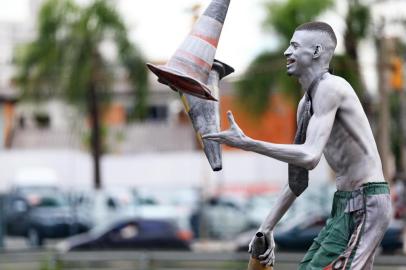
46	199
52	201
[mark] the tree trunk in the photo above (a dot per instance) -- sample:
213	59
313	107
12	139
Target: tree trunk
384	117
402	129
95	134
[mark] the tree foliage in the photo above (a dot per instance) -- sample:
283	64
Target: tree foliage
66	61
65	58
266	73
285	16
347	65
357	21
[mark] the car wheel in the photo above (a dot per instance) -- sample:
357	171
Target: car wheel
34	238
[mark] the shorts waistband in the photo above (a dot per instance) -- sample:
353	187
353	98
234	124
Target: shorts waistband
371	188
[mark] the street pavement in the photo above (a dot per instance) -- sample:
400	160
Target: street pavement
15	246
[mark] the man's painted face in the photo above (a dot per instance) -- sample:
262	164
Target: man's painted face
299	54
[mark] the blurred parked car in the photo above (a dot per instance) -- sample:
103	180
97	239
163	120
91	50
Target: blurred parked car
220	218
144	234
175	205
298	235
257	208
177	215
105	205
392	239
185	197
40	212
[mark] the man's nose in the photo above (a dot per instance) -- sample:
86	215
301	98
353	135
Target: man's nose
288	52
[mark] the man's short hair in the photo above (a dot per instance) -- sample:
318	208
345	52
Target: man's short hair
319	26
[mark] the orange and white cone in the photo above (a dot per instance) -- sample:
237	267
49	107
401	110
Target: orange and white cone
189	68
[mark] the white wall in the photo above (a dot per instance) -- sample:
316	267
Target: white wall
180	169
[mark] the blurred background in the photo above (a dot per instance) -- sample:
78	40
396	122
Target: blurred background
100	165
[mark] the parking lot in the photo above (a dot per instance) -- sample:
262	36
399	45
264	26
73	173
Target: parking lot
223	248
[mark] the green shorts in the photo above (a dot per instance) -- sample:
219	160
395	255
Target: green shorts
345	228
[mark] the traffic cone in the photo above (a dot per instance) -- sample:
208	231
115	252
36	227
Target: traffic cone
259	247
189	68
205	114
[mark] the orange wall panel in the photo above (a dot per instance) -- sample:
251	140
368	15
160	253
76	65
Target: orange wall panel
8	116
115	115
276	125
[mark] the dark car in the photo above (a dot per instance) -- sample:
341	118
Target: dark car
298	235
131	233
392	239
41	213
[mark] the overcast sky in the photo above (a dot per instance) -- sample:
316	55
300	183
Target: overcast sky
16	10
159	26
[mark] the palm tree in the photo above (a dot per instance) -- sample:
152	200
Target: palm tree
65	61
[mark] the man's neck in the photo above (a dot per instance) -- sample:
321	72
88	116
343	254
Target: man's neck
307	77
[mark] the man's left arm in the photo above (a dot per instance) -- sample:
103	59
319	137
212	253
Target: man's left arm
325	104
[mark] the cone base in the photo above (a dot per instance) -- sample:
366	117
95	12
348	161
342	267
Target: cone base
254	264
181	82
223	69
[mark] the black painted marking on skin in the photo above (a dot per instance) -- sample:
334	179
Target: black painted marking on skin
218	10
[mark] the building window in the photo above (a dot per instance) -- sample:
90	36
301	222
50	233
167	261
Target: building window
157	113
42	120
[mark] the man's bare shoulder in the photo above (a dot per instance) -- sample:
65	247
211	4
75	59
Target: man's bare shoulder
330	93
335	85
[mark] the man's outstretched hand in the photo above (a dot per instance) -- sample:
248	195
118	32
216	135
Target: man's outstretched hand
233	136
268	258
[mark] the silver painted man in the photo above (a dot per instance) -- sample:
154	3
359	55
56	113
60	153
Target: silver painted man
339	129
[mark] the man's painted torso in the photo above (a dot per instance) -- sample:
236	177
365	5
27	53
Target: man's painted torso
351	149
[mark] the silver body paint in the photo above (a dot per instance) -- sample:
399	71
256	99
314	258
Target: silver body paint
339	129
377	217
350	149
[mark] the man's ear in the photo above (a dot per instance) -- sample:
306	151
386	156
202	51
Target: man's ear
317	51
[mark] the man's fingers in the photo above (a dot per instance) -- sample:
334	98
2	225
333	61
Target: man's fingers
268	258
230	118
265	255
272	259
266	261
269	261
233	124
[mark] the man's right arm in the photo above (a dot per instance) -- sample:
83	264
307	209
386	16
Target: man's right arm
283	203
285	200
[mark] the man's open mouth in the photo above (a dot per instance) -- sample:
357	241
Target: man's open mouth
290	61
